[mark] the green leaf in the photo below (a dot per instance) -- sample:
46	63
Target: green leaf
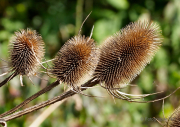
119	4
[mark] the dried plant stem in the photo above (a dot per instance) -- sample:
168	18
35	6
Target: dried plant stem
8	79
48	88
67	94
61	97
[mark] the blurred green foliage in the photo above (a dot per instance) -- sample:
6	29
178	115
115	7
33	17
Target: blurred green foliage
59	20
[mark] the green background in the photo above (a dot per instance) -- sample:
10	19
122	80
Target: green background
59	20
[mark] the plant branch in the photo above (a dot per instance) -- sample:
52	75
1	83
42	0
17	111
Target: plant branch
67	94
8	79
61	97
44	90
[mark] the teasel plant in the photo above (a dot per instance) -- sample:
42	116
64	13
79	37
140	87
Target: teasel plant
26	51
73	65
172	121
130	42
134	46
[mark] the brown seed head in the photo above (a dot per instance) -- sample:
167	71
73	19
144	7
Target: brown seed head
26	52
75	60
174	119
124	55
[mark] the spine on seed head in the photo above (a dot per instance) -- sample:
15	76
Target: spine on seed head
124	55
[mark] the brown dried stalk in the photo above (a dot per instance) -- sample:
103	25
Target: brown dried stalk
48	88
65	95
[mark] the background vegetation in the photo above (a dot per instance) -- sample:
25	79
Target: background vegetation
59	20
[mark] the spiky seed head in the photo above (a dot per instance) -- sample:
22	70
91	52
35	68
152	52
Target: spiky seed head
26	52
76	59
124	55
174	119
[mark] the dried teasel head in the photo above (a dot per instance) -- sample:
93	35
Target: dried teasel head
124	55
174	119
75	61
26	53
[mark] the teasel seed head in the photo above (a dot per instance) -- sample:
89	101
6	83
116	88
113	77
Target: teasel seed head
124	55
26	52
75	61
174	119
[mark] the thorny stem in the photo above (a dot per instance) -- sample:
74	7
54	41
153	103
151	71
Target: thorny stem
64	95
